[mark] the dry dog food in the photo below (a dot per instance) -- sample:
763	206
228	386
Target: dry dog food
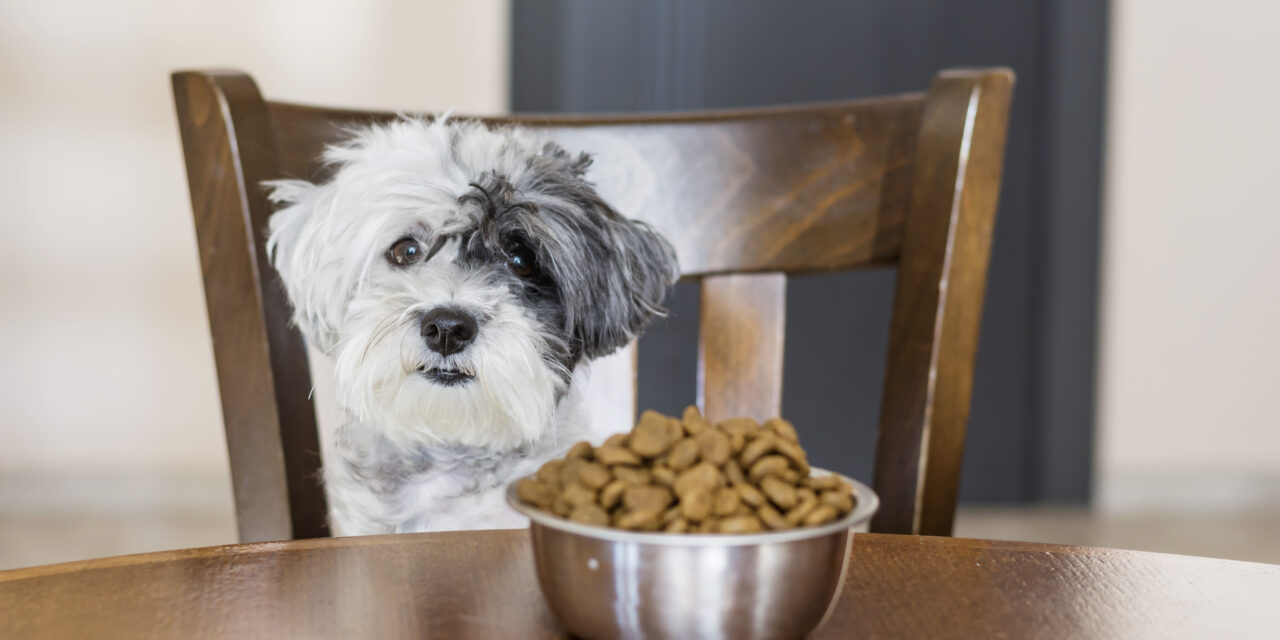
689	476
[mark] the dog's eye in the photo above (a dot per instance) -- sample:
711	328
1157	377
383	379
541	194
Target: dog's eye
404	252
520	261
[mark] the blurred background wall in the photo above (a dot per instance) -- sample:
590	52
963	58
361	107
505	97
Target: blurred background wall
107	380
1191	273
108	401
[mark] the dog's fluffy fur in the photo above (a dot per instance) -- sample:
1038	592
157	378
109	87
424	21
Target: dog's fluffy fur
505	229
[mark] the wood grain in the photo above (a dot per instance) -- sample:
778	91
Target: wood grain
263	376
937	308
746	196
481	584
740	345
808	188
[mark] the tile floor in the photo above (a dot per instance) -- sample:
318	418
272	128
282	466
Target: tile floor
32	539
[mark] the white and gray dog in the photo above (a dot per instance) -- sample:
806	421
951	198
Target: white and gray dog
458	276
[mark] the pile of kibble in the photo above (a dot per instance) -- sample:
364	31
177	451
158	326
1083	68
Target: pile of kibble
689	476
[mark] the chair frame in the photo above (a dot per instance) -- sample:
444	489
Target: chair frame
937	172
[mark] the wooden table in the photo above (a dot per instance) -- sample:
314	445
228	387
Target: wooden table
482	585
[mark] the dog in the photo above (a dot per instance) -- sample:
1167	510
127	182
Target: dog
459	276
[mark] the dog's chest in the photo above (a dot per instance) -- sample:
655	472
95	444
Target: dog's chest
375	486
430	489
459	496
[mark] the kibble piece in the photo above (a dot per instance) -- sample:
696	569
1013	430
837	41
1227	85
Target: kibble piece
536	493
842	501
590	514
733	472
646	497
782	428
738	425
611	455
549	474
683	454
710	525
740	524
663	476
693	422
561	507
802	510
796	455
617	440
768	465
639	520
749	495
569	471
779	492
757	448
695	504
670	514
679	525
713	446
822	483
593	475
632	475
737	430
790	476
772	518
737	441
578	494
725	502
581	450
703	476
612	493
822	515
654	435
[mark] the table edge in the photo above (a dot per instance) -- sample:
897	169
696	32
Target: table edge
259	548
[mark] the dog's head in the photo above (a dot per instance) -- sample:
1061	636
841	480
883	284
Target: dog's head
457	274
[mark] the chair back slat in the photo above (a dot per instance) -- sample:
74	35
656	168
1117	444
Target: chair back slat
807	189
740	340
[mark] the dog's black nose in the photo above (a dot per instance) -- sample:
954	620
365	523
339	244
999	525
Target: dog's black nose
448	331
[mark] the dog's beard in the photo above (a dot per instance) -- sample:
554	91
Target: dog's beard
382	370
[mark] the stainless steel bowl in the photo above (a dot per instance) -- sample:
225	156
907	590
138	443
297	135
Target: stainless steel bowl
610	583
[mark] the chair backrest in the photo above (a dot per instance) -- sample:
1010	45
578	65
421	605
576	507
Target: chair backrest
746	197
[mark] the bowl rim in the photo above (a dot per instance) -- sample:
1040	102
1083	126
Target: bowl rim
868	504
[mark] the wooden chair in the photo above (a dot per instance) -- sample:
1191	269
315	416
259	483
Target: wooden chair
746	197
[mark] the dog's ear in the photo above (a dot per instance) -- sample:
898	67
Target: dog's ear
612	273
623	286
310	275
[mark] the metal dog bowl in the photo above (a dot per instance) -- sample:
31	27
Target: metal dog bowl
611	583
